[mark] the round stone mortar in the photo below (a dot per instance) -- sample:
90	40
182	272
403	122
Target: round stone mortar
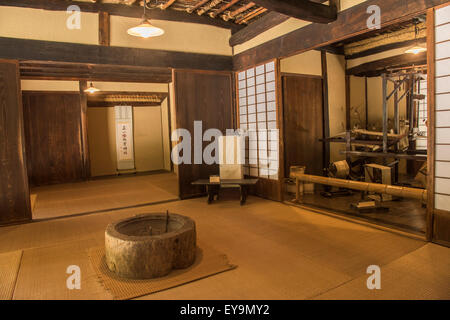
150	245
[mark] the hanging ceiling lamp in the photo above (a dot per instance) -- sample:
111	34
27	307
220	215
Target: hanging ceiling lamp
145	29
417	48
91	89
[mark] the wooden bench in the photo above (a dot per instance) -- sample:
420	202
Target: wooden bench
214	188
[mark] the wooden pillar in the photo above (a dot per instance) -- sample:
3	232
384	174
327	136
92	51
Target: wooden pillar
83	129
367	102
14	190
103	28
431	107
348	124
326	110
385	114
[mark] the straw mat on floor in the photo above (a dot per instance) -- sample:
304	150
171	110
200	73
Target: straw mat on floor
9	268
209	262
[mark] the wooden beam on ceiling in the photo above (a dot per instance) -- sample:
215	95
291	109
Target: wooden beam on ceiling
376	68
301	9
253	14
223	8
123	10
351	22
386	47
197	5
92	72
234	13
385	38
265	23
261	25
25	49
164	6
208	7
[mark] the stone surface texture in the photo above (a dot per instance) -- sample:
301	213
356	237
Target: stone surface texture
150	245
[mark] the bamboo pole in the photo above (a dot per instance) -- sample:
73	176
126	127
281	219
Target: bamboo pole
404	192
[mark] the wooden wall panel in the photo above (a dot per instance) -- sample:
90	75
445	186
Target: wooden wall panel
14	193
53	137
303	123
206	97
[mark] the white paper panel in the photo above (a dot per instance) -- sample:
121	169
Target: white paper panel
443	152
251	72
261	116
443	135
442	15
260	69
260	79
251	91
442	202
443	68
443	33
271	96
271	106
270	76
443	101
261	88
270	66
442	186
443	85
442	169
443	119
443	50
271	86
261	107
251	109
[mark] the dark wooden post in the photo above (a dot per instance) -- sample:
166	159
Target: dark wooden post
103	28
83	130
14	190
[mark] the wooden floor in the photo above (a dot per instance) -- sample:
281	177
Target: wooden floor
103	194
404	214
282	252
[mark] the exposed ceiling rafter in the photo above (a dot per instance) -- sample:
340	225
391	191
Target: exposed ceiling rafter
301	9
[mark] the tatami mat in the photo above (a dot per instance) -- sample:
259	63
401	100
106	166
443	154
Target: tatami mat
98	195
283	252
43	273
209	262
422	274
9	268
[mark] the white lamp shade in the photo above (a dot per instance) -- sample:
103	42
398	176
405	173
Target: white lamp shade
145	30
91	89
416	50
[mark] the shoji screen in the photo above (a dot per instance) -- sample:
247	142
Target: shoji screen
442	105
257	100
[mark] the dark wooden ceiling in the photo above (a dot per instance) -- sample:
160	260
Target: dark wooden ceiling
236	11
